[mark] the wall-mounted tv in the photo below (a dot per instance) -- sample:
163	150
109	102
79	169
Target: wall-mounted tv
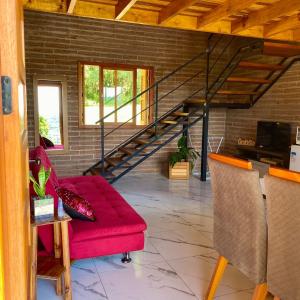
273	135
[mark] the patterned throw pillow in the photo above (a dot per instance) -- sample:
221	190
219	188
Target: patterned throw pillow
75	206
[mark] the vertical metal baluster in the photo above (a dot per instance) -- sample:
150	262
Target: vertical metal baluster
205	120
156	108
102	147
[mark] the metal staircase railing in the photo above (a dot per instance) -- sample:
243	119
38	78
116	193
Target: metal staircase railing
211	79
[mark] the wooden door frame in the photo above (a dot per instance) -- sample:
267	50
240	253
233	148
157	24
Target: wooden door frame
14	207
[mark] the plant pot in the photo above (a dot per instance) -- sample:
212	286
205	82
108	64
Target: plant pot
180	170
43	208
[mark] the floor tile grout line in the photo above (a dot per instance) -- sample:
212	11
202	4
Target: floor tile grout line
93	259
165	260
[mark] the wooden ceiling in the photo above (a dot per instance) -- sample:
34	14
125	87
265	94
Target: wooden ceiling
270	19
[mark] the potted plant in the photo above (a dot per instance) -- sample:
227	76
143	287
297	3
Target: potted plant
43	205
182	162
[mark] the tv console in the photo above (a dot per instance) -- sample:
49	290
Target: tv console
273	157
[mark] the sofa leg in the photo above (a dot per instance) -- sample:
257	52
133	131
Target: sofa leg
126	258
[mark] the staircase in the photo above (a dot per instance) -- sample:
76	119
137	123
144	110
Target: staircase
247	75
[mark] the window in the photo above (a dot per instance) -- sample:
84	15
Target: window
50	113
104	88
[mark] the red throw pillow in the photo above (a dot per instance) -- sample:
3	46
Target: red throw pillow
75	206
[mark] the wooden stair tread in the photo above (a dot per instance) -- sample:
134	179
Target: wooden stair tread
114	161
248	80
152	130
131	151
180	114
194	101
49	267
146	141
98	172
233	92
259	66
281	49
171	122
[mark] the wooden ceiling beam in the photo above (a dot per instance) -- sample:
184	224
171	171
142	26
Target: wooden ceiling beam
281	26
173	9
263	16
225	10
70	6
289	27
123	7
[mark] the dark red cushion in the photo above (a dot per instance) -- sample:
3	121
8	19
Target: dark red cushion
76	206
42	143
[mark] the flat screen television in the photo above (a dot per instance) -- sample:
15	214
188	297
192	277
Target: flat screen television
274	136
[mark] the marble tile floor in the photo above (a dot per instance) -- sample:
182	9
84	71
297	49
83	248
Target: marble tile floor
178	259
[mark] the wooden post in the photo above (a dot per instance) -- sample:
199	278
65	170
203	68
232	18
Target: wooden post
34	241
57	254
66	260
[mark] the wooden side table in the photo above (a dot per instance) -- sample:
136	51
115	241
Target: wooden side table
53	268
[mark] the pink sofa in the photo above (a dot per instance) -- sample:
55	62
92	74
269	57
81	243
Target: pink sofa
117	229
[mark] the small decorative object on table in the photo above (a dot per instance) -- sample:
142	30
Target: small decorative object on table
181	163
43	205
245	142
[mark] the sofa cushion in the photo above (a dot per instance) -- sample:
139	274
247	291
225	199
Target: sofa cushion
114	216
76	206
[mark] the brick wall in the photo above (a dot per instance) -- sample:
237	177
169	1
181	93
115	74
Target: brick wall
281	103
55	43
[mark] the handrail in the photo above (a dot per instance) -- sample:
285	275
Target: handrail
233	57
161	80
153	86
153	103
166	77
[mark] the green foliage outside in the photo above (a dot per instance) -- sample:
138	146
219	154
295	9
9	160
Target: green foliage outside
43	126
40	186
184	153
91	87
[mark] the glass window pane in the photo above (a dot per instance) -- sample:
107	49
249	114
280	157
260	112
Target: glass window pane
124	90
91	94
143	100
109	93
49	110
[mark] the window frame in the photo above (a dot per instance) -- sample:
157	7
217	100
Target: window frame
52	79
113	66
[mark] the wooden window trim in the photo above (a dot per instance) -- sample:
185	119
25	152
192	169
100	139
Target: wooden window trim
112	66
48	79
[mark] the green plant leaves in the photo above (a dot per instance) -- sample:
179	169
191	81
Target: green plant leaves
40	186
184	153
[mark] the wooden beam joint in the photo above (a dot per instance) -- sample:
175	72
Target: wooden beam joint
123	7
173	9
70	6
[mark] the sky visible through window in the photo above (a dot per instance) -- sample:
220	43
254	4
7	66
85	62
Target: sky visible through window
49	112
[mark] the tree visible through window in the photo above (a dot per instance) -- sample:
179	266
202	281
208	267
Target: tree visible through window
51	125
106	88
